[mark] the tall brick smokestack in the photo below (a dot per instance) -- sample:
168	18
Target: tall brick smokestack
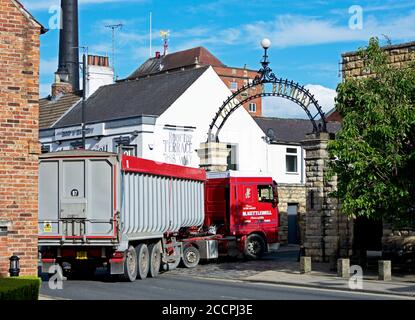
69	43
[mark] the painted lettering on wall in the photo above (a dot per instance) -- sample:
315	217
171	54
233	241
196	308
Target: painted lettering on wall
102	148
178	148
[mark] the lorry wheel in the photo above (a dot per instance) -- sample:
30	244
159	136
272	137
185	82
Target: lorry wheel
155	259
191	257
130	265
254	247
143	259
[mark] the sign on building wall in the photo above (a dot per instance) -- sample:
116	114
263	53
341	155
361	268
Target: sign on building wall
178	147
76	132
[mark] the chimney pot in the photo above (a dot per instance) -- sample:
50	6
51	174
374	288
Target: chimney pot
158	54
99	61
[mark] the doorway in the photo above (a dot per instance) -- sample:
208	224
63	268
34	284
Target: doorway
292	213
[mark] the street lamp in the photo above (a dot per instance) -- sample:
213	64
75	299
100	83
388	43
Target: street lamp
14	266
84	76
266	44
265	74
63	75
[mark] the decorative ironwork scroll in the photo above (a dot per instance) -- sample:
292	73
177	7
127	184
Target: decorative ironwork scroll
271	87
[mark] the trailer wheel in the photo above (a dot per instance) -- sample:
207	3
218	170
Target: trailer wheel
130	265
155	259
254	247
191	257
143	259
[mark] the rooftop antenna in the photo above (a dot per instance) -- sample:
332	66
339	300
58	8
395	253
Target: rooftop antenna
165	36
114	27
151	34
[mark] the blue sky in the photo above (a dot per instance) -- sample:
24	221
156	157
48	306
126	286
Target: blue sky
308	36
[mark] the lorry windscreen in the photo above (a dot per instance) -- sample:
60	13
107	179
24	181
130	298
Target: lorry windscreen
266	194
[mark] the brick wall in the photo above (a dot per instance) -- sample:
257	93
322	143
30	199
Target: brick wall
242	78
19	147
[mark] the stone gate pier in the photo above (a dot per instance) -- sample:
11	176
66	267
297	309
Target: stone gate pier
213	156
328	234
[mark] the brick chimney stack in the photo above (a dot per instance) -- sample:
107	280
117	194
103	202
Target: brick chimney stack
99	73
60	87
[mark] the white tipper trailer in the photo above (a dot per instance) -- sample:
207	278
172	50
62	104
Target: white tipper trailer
121	212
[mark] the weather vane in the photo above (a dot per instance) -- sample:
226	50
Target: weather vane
165	34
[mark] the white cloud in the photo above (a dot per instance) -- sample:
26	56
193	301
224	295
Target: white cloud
294	30
325	96
283	108
46	4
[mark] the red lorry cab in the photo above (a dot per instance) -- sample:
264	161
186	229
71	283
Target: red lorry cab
241	205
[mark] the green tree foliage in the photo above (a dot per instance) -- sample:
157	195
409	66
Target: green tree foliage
374	153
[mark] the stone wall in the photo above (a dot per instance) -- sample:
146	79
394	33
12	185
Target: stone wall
399	55
328	233
19	146
291	194
398	243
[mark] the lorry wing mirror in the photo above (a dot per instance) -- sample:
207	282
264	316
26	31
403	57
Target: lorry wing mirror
276	196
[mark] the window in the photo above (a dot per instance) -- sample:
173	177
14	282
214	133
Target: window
265	194
291	160
234	86
252	107
45	149
233	157
128	150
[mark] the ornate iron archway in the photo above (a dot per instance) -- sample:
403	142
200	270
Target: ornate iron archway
280	88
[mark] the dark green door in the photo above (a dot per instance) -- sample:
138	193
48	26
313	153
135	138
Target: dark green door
292	224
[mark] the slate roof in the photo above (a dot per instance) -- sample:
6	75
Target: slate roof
175	61
291	130
150	96
51	110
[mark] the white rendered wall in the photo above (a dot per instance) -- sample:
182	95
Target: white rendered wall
277	164
196	108
98	76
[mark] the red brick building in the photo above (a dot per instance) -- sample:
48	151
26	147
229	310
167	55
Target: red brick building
234	78
19	146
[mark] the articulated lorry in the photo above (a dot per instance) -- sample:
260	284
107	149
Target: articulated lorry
139	217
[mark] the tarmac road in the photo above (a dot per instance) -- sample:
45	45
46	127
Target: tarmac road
177	287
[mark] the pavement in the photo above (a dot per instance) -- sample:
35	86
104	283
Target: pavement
316	280
280	270
402	284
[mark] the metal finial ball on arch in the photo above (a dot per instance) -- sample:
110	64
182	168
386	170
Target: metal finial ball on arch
278	88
